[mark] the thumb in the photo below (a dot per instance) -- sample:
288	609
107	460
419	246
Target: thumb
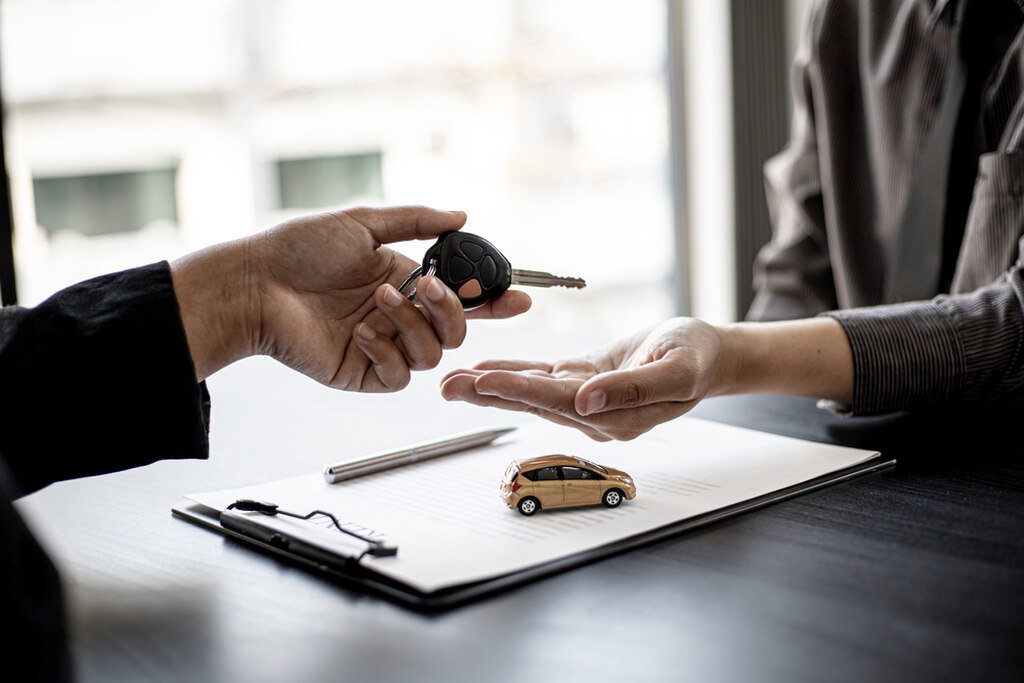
401	223
648	384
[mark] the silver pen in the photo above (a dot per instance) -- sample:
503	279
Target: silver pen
386	460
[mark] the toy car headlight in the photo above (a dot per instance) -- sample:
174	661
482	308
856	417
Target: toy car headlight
626	480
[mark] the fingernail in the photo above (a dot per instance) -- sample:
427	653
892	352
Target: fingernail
434	290
598	399
366	332
392	297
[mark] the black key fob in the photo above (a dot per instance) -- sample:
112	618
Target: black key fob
471	266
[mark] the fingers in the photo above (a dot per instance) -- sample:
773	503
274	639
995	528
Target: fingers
410	337
511	303
423	334
648	384
461	386
538	390
629	405
390	370
534	392
512	365
400	223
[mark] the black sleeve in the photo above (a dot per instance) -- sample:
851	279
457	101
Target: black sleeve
98	378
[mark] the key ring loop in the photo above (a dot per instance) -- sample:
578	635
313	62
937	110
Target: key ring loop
415	276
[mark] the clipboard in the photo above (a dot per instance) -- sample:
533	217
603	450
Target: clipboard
347	569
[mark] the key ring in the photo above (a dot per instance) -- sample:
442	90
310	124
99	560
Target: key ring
414	276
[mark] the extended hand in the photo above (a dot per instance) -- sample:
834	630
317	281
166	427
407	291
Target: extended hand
318	294
617	392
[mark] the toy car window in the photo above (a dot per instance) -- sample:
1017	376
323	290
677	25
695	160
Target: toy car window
546	474
511	473
577	473
591	465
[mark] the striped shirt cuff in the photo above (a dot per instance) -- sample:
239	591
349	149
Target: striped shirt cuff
953	349
904	356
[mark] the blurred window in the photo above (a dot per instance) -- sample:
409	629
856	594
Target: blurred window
105	203
330	181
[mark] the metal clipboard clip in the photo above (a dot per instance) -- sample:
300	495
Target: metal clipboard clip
308	543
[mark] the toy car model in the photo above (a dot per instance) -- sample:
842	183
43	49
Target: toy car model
555	481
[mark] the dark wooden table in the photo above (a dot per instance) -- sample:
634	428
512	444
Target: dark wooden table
916	573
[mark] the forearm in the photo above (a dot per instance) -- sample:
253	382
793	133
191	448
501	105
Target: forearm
218	304
810	357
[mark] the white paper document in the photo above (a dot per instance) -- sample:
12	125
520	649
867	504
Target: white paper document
452	528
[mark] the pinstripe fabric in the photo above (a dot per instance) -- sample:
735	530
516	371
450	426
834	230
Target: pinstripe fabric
866	84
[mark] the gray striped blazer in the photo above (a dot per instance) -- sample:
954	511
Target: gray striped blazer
866	83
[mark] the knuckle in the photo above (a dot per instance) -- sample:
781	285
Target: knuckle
635	394
433	358
345	384
396	380
554	406
421	365
343	378
563	404
455	339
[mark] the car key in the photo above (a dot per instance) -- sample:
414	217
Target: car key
476	271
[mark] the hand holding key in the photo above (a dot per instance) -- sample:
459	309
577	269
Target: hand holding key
476	271
318	293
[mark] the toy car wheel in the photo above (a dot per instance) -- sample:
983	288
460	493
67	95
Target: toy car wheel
528	506
612	497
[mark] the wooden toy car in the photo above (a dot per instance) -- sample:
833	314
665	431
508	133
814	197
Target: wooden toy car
555	481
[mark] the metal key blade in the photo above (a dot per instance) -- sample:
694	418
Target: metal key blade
538	278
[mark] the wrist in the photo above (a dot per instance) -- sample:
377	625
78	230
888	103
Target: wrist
738	364
217	291
809	357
